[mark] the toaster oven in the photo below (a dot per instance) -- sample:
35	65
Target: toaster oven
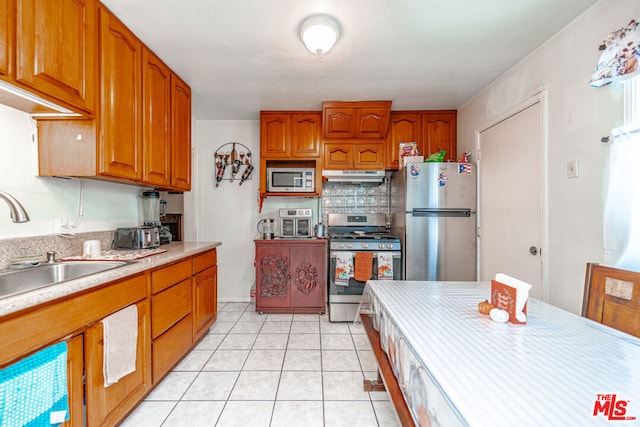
295	223
143	237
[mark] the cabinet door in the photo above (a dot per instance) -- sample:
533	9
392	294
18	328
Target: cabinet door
275	134
204	300
372	123
339	122
305	135
55	49
181	134
7	21
403	127
156	131
75	373
338	155
439	133
369	156
272	276
309	281
120	143
108	405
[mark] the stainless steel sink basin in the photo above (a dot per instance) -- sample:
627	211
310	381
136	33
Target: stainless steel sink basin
18	281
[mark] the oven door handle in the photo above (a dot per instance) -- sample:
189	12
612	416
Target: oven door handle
332	255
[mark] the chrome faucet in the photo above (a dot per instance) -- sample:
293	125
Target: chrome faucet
18	214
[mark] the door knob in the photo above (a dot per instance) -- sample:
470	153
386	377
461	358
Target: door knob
533	250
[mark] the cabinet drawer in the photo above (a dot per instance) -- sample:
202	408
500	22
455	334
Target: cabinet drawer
170	346
205	260
165	277
169	306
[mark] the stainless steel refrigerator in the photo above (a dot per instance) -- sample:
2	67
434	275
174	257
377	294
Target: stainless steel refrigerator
433	211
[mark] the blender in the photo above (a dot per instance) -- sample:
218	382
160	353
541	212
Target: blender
153	207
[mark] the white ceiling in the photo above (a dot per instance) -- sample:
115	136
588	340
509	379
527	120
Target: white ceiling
243	56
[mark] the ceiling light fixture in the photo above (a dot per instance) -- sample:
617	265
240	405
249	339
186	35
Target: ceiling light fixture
319	33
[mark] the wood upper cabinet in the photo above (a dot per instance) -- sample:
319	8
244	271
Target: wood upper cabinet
286	134
180	134
291	276
120	141
362	120
357	155
55	49
7	22
403	127
439	133
156	157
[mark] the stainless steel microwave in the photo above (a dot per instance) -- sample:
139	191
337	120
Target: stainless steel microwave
291	180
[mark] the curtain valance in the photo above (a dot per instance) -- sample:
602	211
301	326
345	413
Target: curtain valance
620	56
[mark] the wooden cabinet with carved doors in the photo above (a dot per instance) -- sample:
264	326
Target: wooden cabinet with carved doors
403	127
291	276
120	142
156	154
358	155
362	120
290	134
180	134
205	292
55	50
7	24
439	133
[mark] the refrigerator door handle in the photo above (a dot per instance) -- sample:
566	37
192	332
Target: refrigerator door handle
442	212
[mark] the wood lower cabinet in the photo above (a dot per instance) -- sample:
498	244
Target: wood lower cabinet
205	292
106	406
291	276
75	380
171	319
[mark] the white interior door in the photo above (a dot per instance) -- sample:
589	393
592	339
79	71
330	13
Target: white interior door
510	202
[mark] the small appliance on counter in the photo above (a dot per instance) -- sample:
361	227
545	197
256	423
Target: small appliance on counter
152	209
265	228
143	237
295	223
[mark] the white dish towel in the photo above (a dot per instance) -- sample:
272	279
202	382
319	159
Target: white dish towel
120	344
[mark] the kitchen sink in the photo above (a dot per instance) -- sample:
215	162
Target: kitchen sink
14	282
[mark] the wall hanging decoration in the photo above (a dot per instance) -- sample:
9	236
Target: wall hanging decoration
620	56
232	160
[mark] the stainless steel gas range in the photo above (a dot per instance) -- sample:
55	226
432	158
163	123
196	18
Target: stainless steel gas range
360	248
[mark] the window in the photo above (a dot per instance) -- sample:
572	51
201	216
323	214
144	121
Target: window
622	206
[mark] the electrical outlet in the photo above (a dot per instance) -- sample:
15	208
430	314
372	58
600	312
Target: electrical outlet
60	225
572	168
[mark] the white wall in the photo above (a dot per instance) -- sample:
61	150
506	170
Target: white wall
578	116
106	205
229	213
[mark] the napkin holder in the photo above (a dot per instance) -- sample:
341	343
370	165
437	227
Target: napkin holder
504	297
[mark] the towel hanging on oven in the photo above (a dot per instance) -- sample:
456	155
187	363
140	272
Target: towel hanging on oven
385	266
344	268
363	267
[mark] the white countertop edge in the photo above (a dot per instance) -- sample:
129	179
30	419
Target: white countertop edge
175	252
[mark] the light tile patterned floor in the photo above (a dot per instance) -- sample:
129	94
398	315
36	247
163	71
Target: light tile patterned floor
273	370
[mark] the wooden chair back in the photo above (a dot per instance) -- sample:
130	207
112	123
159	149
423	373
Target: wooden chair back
612	297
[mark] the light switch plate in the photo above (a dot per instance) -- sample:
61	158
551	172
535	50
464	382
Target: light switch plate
572	168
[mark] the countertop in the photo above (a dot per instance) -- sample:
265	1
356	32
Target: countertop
175	251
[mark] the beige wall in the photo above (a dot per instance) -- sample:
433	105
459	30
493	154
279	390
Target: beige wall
578	117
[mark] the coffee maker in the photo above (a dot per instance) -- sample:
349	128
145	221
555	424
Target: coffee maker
153	208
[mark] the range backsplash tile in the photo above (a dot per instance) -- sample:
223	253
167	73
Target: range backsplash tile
354	198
